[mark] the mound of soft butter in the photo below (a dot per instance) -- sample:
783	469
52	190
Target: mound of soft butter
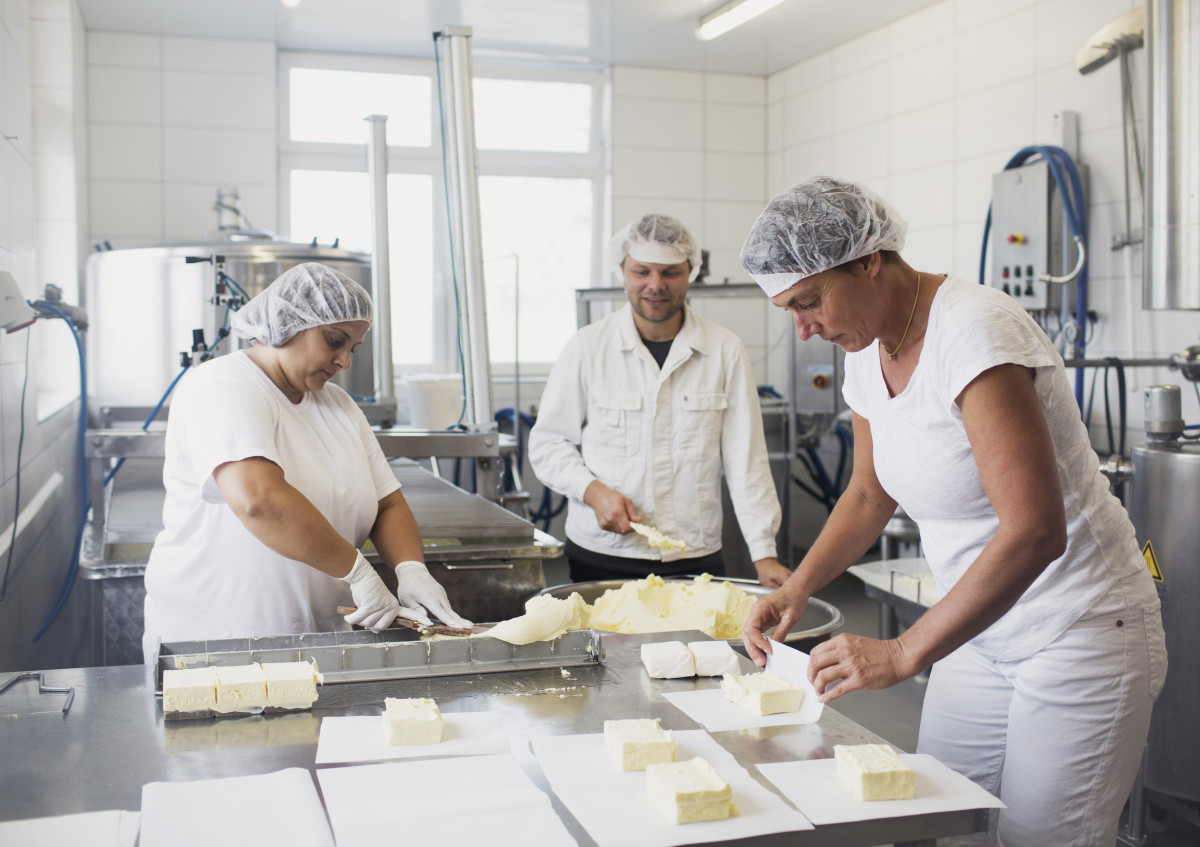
545	619
718	609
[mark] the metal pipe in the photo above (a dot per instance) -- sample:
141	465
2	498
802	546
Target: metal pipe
381	278
461	164
1172	255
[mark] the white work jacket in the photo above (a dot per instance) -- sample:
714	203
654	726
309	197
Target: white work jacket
658	436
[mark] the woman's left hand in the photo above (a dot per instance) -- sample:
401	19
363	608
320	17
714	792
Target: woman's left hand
860	663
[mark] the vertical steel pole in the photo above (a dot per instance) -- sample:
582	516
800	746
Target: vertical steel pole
381	278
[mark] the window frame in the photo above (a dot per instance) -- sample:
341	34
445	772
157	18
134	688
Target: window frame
594	165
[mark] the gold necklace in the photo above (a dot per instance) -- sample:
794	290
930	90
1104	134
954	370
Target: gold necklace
891	354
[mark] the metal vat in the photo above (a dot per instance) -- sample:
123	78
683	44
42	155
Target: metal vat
145	302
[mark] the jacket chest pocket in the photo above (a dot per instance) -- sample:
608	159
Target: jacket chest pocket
700	418
614	423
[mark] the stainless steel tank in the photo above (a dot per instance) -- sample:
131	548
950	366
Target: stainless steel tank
145	302
1164	499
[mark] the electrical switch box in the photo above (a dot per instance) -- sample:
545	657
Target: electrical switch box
1028	236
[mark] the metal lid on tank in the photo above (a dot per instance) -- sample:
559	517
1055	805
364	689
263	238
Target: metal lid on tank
1164	412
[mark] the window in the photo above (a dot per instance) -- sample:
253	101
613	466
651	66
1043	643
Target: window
541	178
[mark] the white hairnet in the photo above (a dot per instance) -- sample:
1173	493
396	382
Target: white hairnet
656	238
816	225
302	297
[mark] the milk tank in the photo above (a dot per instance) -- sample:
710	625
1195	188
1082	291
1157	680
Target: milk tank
145	304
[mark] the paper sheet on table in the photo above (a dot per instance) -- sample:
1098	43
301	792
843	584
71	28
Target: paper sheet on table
815	789
709	708
96	829
478	800
360	739
273	808
614	808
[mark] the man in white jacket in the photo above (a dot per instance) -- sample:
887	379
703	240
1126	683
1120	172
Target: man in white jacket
642	411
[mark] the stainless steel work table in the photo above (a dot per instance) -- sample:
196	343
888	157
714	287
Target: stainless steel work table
114	738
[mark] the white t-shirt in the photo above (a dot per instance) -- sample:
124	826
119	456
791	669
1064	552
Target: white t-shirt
924	461
208	576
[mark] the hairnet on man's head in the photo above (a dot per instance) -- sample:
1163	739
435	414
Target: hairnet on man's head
303	297
659	239
816	225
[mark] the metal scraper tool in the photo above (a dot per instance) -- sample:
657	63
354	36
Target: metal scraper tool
424	629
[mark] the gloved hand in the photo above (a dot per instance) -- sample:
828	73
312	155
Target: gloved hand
420	593
377	608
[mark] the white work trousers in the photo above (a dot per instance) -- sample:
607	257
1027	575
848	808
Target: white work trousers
1057	736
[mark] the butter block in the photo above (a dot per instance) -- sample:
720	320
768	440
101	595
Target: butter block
241	688
291	685
191	690
761	693
668	660
411	721
713	658
637	743
873	772
688	792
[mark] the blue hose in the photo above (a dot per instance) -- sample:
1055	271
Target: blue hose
84	501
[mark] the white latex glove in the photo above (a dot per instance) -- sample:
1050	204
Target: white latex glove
422	595
377	608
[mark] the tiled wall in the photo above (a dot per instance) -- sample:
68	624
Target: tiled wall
171	120
927	109
40	227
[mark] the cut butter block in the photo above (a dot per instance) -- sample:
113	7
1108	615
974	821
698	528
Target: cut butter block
634	744
189	690
761	693
291	685
415	721
668	660
873	772
241	688
691	791
713	658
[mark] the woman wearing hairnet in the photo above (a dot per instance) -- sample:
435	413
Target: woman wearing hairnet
274	480
1047	645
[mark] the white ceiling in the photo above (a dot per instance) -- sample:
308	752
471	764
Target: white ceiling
596	33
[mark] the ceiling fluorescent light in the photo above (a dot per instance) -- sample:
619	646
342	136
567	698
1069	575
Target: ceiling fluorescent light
732	14
291	4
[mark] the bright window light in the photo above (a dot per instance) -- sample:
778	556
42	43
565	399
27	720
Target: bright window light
329	106
517	114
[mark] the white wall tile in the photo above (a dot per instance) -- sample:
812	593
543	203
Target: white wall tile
124	95
921	138
813	158
226	55
1101	152
860	98
969	14
775	134
124	49
776	87
930	249
227	155
652	82
50	53
745	316
933	24
55	264
690	212
925	198
861	52
53	120
735	88
1064	26
21	239
862	152
968	239
973	184
812	72
218	100
1000	118
776	181
921	77
51	9
724	265
17	117
188	213
9	161
130	211
734	176
55	181
726	224
734	129
1001	51
125	152
8	88
658	173
1096	97
808	115
669	124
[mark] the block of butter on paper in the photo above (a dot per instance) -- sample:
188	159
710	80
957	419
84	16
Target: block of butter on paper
873	772
638	742
411	721
762	693
688	792
668	660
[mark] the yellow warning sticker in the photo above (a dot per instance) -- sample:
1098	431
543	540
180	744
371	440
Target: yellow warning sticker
1152	562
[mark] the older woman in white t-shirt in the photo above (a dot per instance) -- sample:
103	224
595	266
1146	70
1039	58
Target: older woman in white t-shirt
274	480
1047	645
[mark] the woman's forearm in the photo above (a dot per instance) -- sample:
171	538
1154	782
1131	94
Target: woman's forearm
853	526
395	533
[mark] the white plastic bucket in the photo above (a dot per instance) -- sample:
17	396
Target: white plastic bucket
434	400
